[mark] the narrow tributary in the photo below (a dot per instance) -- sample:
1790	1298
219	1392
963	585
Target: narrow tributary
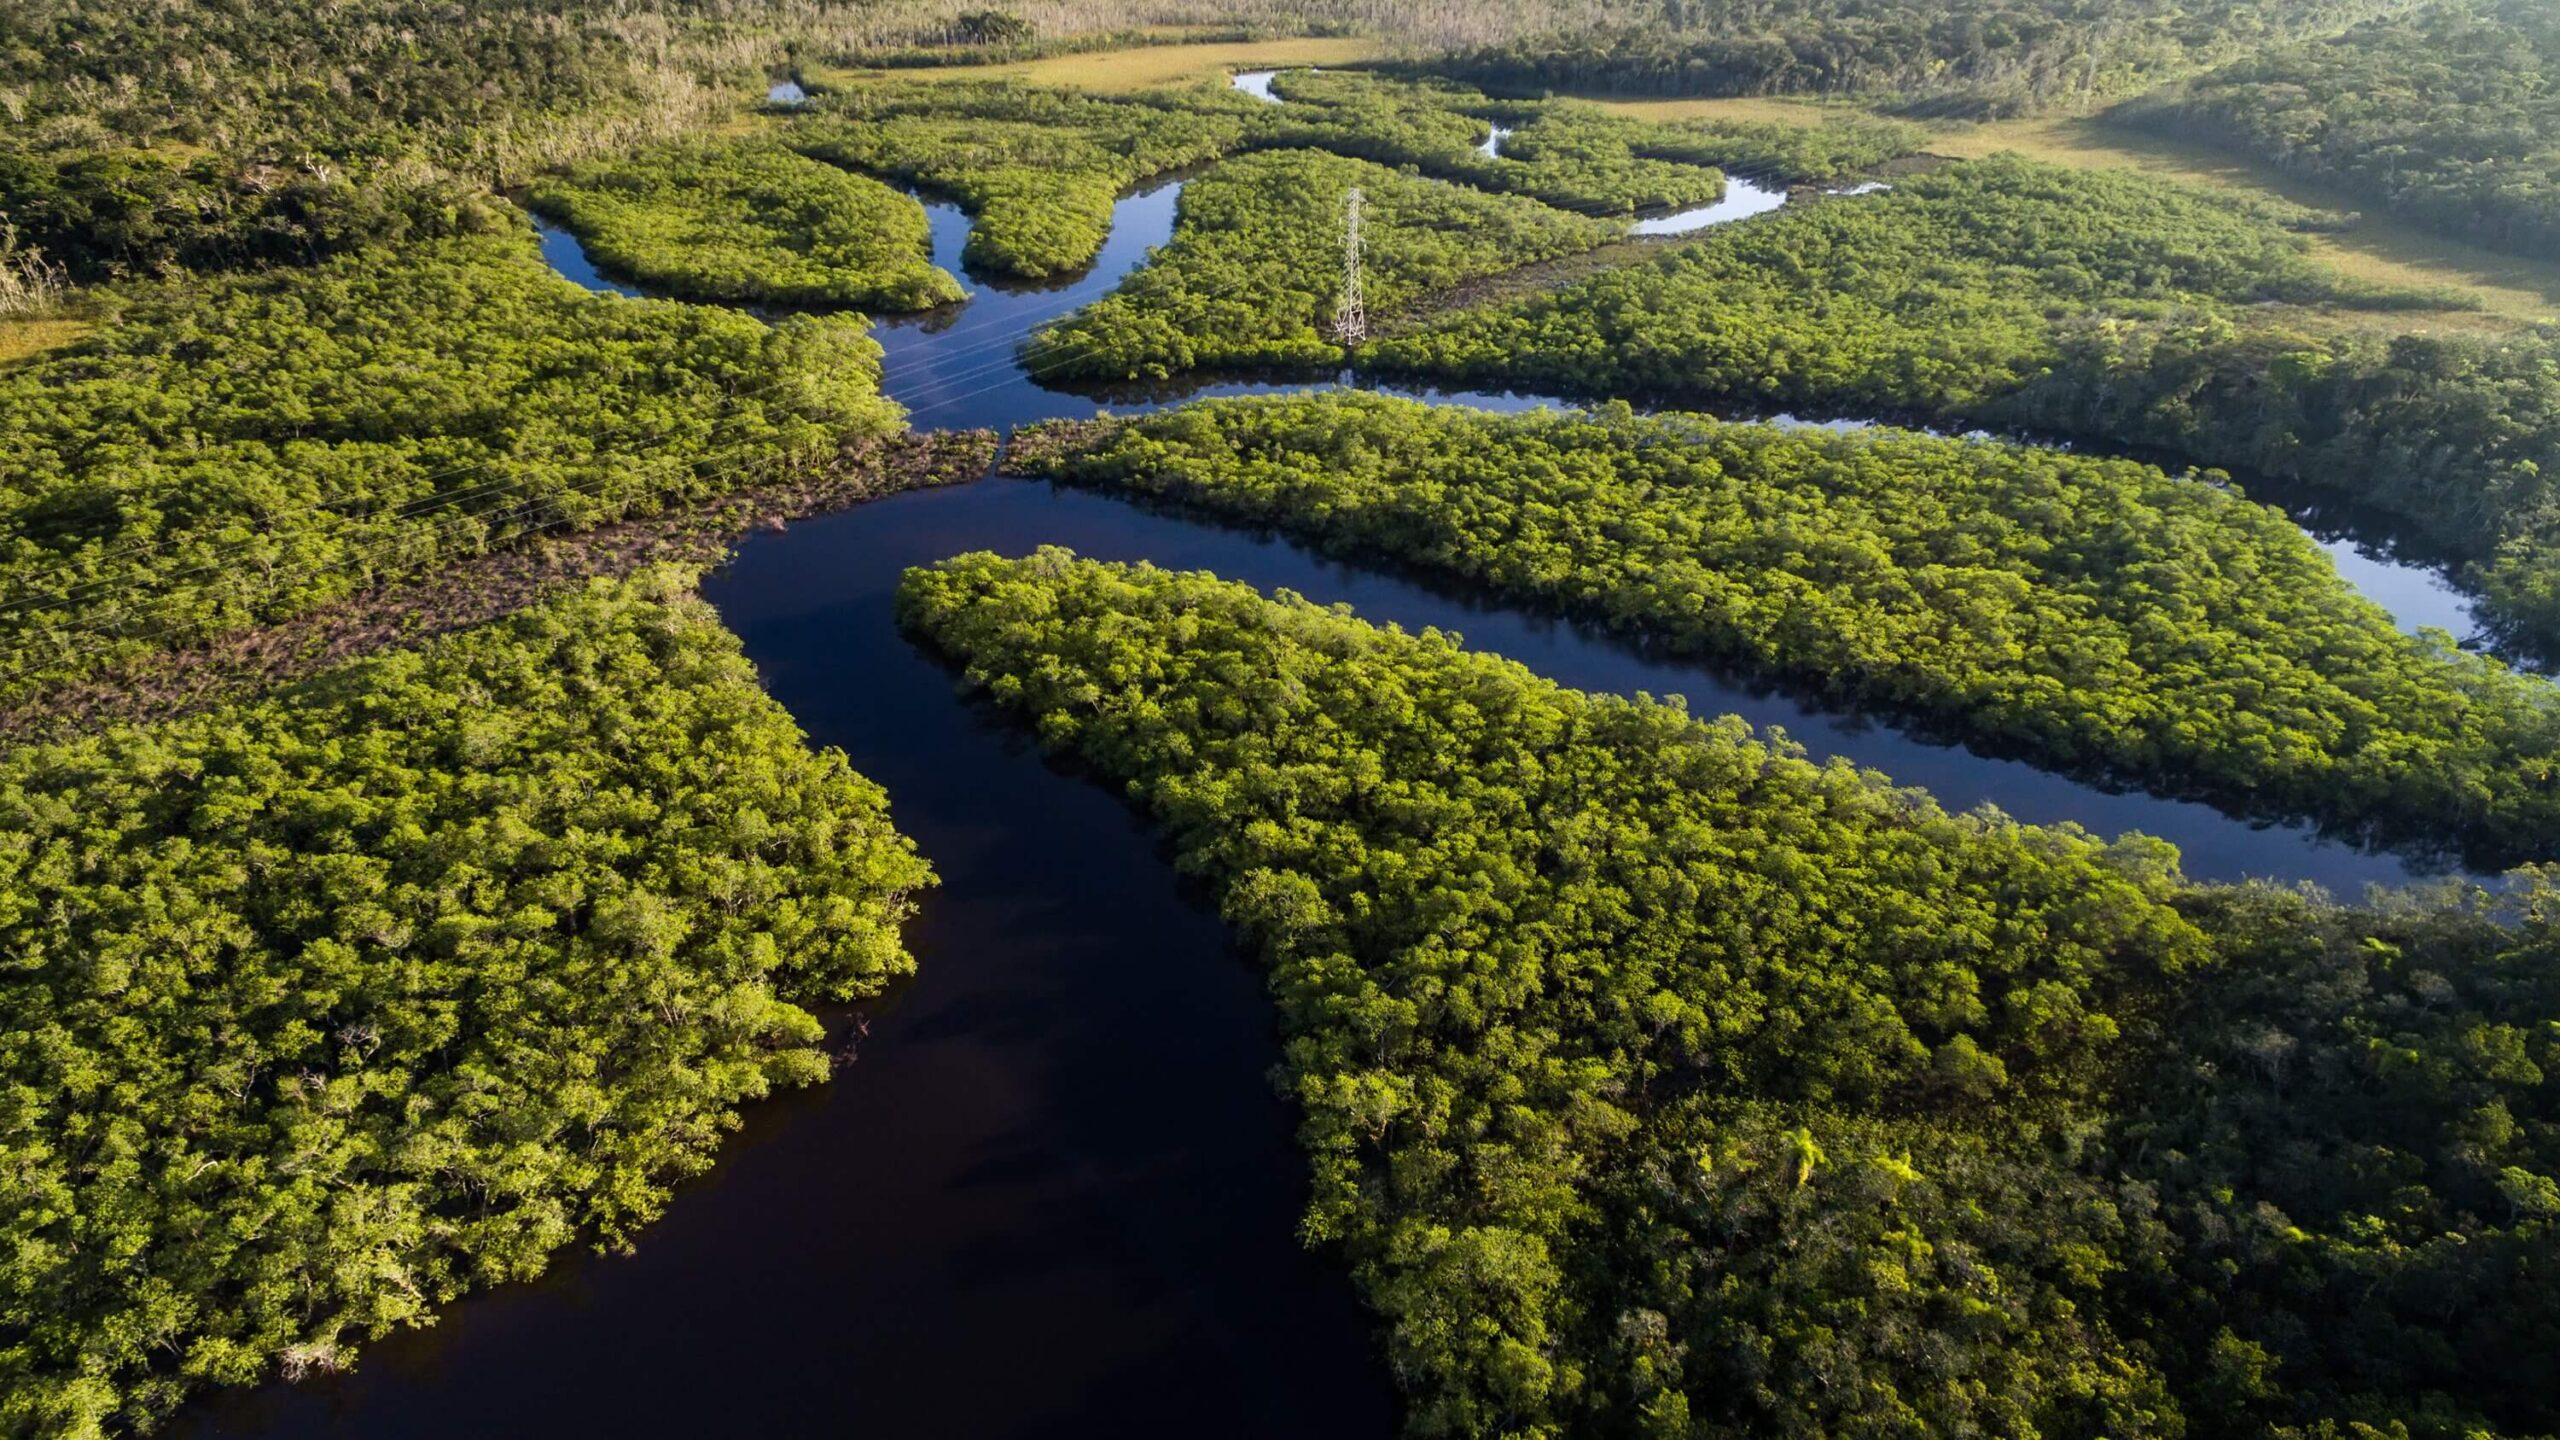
1055	1194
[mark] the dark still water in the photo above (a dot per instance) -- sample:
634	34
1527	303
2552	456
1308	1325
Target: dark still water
838	573
1056	1195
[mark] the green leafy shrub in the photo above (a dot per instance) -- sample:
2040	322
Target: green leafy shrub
324	1009
226	452
1254	270
751	221
2097	615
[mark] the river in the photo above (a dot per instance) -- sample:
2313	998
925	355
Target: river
1055	1194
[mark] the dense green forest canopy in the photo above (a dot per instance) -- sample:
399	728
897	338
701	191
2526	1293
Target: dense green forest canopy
2448	116
1934	297
1038	167
2094	614
331	76
1569	154
325	1008
1575	157
201	132
235	450
108	213
2455	437
1254	270
2112	306
139	136
1657	1082
751	221
1993	57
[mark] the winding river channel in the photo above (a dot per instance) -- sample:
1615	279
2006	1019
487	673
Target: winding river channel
1054	1195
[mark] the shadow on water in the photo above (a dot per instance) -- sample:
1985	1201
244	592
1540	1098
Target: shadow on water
1015	517
1056	1194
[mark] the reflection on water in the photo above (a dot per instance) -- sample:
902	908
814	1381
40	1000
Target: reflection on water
1056	1195
2417	597
1257	83
1491	149
785	92
569	257
1742	200
959	366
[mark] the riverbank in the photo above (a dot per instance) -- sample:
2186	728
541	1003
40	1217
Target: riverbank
486	587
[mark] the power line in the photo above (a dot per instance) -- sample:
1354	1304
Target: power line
1351	326
1350	315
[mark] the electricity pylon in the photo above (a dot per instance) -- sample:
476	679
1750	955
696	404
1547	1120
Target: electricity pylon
1350	318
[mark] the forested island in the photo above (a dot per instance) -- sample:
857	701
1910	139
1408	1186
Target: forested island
2091	612
1658	1082
2094	306
411	880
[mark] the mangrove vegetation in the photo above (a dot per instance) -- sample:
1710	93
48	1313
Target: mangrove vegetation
1255	268
2098	615
1657	1082
2114	307
324	1008
750	222
233	450
2445	115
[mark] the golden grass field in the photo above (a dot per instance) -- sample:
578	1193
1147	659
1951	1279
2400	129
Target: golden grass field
22	338
1146	66
2391	252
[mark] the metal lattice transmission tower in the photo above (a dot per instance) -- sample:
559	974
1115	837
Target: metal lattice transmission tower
1351	318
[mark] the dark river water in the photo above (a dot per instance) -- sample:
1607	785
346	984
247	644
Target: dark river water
1055	1195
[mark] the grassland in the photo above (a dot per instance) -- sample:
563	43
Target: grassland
2510	289
22	338
1143	67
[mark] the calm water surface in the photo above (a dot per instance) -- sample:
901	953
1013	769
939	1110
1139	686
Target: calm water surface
1055	1194
1742	200
566	255
1257	83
